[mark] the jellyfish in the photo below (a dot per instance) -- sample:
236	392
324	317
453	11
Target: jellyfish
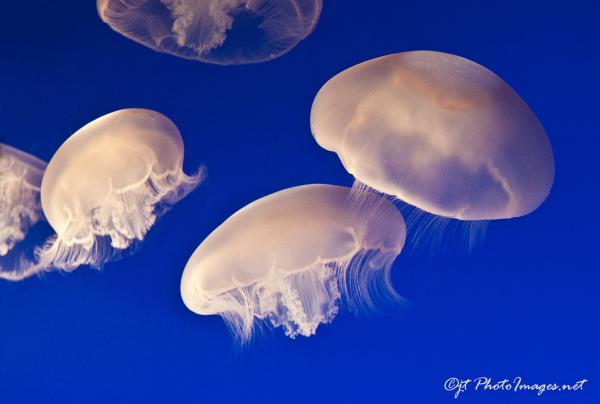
289	259
222	32
439	132
106	185
20	208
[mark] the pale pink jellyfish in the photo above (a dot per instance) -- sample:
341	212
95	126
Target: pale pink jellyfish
20	208
439	132
105	186
215	31
291	257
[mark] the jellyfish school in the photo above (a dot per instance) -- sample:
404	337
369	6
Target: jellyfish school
436	131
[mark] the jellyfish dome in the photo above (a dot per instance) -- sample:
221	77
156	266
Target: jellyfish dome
215	31
439	132
106	184
20	181
291	257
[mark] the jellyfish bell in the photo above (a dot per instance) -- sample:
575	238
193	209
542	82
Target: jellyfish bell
214	31
439	132
20	181
291	257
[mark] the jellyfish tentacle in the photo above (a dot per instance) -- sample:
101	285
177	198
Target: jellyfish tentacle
305	299
22	270
122	219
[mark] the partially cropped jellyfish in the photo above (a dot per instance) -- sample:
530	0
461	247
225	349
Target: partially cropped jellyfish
290	259
223	32
105	186
20	208
439	132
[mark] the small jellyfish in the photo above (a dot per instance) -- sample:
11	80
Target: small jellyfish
439	132
291	257
105	186
223	32
20	181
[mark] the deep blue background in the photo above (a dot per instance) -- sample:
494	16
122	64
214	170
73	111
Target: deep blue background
524	303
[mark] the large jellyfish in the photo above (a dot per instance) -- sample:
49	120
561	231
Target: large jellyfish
439	132
215	31
20	181
291	257
105	186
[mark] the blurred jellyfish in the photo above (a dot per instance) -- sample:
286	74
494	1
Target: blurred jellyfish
20	181
439	132
105	186
215	31
291	257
